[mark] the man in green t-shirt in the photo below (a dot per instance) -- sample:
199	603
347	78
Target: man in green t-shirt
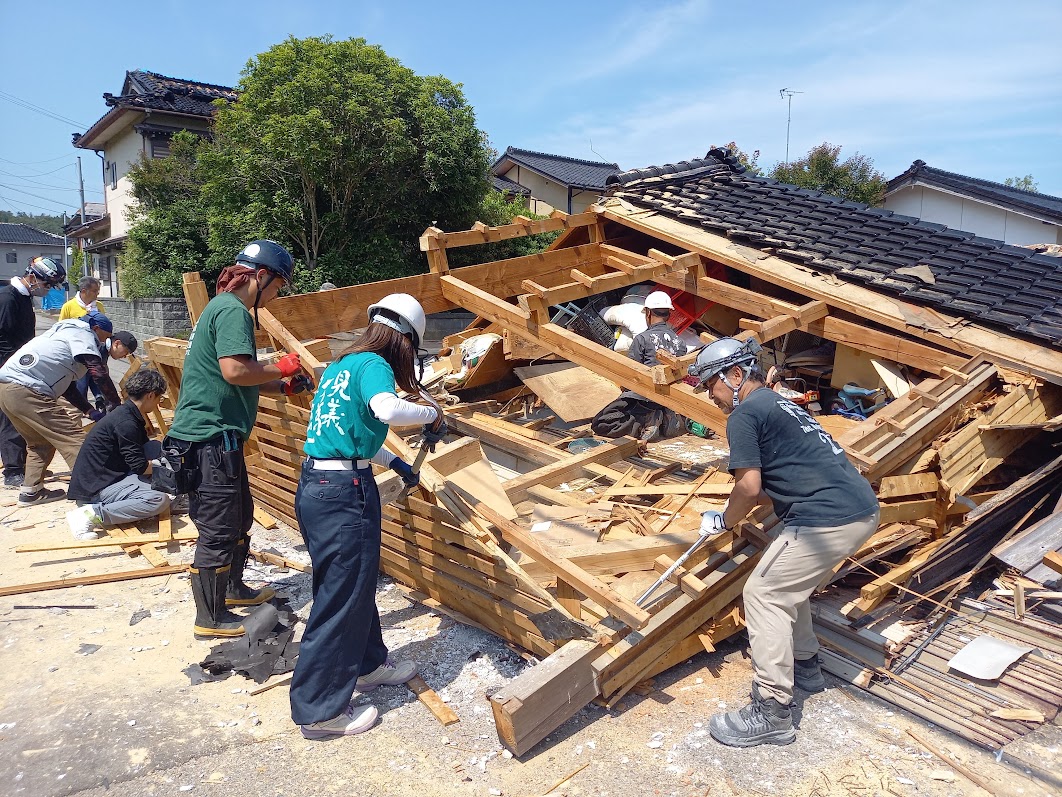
214	416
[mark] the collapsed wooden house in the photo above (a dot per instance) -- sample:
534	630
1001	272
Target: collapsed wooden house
970	329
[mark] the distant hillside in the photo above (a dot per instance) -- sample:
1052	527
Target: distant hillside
42	221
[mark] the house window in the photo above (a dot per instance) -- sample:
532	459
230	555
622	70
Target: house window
160	148
12	257
105	269
114	174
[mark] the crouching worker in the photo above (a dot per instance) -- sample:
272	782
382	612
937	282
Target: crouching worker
34	379
107	481
780	454
634	414
215	413
338	508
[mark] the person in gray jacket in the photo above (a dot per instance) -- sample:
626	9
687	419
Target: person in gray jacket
31	384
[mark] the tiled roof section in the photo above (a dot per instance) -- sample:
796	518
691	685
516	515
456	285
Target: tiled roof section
1043	205
573	172
151	91
24	234
986	281
507	186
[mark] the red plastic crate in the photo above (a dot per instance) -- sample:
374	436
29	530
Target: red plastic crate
688	307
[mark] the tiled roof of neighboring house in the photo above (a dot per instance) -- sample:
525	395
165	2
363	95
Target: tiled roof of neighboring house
507	186
149	91
1043	206
573	172
1001	286
24	234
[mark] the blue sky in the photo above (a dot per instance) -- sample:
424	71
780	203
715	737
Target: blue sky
972	87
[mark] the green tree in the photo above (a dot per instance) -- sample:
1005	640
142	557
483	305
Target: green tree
822	170
77	266
750	162
169	231
1026	183
338	150
494	211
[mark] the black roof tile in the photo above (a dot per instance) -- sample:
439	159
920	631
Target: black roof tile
983	280
24	234
574	172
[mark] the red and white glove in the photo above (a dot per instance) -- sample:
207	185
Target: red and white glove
289	365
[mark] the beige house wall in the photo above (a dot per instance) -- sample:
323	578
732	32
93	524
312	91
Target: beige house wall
548	195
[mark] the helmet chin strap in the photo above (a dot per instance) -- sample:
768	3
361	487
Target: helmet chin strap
744	378
258	295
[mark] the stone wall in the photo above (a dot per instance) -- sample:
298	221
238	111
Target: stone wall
149	318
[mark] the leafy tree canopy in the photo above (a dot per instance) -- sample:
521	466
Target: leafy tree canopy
1026	183
821	169
340	151
42	221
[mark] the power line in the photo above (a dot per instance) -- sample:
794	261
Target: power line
42	185
14	205
42	174
35	196
38	109
33	163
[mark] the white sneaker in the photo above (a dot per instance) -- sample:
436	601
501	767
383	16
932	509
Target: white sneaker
387	674
83	523
352	721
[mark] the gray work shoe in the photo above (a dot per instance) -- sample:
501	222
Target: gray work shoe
351	721
387	674
807	675
763	721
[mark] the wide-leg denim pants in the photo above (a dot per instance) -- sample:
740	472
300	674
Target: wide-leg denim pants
339	514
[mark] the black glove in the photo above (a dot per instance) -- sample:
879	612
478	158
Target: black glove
297	384
433	433
95	415
405	470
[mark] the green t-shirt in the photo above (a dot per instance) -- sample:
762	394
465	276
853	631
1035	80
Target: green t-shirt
341	424
209	405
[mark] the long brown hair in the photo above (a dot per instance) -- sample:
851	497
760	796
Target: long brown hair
395	348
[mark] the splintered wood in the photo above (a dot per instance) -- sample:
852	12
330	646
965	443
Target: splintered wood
552	557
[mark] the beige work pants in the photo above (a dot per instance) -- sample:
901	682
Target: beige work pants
778	597
46	426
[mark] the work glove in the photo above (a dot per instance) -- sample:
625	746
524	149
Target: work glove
712	523
297	384
434	433
289	365
95	415
405	470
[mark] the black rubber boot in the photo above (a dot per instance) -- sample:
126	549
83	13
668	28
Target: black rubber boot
807	675
237	593
212	619
763	721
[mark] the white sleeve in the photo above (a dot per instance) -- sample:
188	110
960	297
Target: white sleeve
383	457
393	411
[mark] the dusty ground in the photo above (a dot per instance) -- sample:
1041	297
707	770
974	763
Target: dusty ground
123	719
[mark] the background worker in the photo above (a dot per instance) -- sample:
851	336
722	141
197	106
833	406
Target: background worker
117	347
779	453
33	380
338	508
634	414
17	327
106	481
214	416
84	301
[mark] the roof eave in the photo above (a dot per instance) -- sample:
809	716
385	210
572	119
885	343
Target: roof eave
1013	207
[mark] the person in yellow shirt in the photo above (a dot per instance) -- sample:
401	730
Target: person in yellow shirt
88	289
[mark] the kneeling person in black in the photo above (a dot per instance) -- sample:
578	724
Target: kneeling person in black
107	479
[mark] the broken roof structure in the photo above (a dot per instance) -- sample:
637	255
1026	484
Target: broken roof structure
958	458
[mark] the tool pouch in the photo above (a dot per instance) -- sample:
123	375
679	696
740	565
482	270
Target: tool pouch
176	473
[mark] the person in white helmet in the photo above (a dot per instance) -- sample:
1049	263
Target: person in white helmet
632	413
338	508
780	455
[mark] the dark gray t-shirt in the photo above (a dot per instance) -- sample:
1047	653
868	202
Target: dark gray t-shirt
805	473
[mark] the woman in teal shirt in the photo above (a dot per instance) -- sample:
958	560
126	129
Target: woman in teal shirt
338	509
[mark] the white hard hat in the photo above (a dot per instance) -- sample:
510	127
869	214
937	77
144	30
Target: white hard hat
658	300
401	312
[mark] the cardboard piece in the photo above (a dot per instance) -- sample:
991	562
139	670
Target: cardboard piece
574	393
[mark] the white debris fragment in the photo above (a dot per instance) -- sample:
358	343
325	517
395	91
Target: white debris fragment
496	792
131	723
506	755
657	740
905	781
189	787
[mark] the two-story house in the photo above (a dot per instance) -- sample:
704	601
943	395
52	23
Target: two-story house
551	182
985	208
140	120
21	243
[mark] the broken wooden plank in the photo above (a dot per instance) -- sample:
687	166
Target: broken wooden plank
86	581
426	695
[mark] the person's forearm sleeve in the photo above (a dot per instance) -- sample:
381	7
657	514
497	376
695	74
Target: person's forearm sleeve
392	410
98	371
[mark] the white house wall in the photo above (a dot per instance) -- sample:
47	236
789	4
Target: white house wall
123	150
547	195
963	213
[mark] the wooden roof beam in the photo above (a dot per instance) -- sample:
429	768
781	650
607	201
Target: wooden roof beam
434	239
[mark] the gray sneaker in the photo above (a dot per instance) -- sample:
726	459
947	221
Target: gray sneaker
807	675
352	721
387	674
763	721
40	496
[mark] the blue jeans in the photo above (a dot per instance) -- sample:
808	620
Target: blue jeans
339	515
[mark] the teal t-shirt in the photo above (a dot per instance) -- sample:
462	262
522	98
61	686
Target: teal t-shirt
341	424
208	405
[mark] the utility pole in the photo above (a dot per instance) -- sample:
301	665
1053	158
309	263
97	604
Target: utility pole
788	94
81	185
66	249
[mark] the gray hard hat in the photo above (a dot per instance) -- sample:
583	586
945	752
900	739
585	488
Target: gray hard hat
720	356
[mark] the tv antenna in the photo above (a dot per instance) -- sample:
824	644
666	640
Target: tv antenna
788	94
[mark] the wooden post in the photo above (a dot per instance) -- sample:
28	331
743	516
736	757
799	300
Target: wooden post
195	295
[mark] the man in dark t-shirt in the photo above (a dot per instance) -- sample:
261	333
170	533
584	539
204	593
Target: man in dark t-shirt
780	454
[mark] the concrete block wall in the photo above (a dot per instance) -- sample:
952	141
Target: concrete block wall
148	318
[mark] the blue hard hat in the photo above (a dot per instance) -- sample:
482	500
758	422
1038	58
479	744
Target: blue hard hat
97	320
